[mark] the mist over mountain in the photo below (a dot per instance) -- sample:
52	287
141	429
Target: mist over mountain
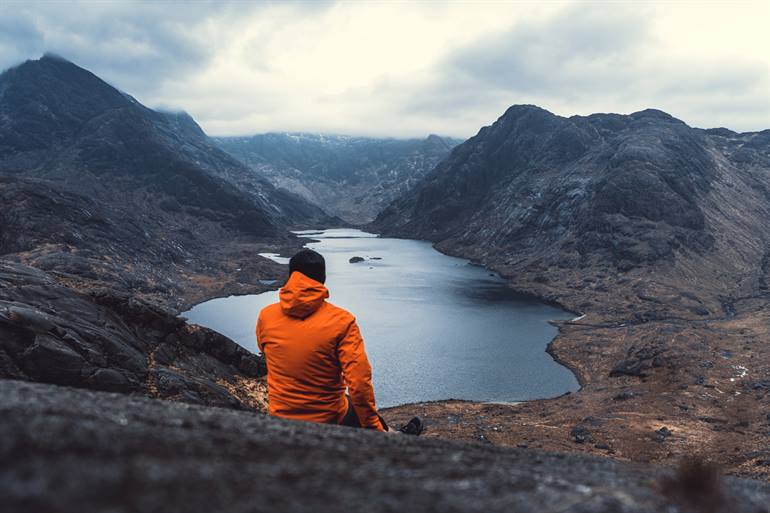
350	177
551	201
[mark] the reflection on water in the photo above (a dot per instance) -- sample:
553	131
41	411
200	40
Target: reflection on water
435	326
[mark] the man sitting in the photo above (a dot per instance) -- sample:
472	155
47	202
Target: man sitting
314	351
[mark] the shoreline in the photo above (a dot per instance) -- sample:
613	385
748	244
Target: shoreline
645	393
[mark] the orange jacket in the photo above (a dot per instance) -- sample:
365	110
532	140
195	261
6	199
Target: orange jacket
314	350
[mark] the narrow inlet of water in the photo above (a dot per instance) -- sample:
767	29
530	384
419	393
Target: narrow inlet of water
435	327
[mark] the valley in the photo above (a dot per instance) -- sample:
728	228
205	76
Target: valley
116	217
353	178
435	327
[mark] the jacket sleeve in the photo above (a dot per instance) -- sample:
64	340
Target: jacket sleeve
259	333
357	373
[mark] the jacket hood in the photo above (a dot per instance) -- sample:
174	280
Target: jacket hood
301	296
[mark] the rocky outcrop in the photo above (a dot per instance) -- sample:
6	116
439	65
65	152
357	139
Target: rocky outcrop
105	339
71	450
350	177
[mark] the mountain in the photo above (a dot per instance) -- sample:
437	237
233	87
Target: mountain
113	217
657	235
64	124
350	177
97	185
640	207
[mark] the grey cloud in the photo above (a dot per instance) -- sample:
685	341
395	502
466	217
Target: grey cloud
134	47
18	36
587	56
549	54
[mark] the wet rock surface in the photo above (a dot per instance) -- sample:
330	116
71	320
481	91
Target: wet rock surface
76	450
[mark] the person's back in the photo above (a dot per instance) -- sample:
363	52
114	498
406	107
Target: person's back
314	351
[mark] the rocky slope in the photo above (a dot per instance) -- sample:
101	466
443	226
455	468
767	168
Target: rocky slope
106	339
350	177
658	233
69	450
640	205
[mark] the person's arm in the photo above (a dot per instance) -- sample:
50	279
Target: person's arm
260	339
357	373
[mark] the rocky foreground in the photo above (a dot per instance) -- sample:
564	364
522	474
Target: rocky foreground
76	450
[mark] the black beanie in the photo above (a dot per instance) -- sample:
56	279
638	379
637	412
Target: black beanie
310	263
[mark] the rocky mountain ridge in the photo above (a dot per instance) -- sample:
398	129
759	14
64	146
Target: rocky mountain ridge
554	202
99	187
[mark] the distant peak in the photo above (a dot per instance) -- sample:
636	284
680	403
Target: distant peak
519	109
654	114
51	56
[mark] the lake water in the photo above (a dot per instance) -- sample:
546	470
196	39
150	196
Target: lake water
435	327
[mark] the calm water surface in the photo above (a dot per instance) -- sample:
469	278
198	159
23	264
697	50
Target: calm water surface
435	326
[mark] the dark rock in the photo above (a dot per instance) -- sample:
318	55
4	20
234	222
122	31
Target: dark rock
112	381
639	361
580	434
662	434
49	359
356	259
108	340
759	385
75	450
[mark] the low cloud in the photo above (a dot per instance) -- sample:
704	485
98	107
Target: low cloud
408	69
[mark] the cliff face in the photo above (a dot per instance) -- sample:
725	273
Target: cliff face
554	201
350	177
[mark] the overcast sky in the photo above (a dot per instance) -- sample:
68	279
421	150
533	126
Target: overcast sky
409	69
